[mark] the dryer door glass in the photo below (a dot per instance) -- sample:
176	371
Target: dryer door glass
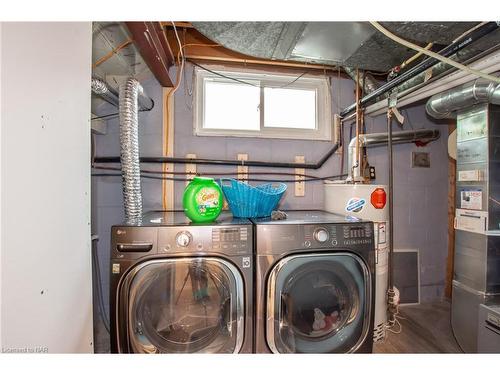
318	303
185	305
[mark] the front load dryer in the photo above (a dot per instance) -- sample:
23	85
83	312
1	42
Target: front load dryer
178	287
314	284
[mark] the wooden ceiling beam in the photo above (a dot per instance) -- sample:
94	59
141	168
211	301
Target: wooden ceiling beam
199	47
154	48
178	24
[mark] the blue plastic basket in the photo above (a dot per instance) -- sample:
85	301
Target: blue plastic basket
251	201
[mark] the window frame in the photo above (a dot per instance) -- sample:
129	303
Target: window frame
324	120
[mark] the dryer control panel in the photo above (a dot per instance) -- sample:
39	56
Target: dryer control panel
338	235
277	239
357	234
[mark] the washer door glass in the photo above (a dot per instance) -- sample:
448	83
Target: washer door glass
318	303
185	305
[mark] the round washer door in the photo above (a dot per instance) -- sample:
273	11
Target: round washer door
185	305
318	303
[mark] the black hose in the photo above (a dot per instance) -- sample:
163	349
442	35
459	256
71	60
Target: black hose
246	163
98	286
152	177
253	173
424	65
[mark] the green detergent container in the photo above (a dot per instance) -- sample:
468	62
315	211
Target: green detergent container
202	200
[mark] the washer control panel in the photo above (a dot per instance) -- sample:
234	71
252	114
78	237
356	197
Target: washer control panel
183	239
205	239
234	238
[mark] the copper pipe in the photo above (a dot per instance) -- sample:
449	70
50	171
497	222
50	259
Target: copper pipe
416	56
357	125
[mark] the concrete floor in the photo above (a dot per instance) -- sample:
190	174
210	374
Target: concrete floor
426	328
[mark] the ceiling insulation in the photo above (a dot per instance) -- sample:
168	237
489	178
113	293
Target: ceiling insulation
106	38
354	44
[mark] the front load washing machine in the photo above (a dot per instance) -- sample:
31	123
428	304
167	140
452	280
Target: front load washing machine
314	284
178	287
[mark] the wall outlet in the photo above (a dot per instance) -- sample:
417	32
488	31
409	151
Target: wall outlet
242	170
300	185
190	168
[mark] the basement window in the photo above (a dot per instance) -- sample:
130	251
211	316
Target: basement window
266	105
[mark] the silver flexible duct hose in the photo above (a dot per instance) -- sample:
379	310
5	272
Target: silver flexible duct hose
445	104
98	86
369	83
101	88
129	148
106	92
380	139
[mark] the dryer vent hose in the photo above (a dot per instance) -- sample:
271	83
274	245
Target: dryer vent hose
129	149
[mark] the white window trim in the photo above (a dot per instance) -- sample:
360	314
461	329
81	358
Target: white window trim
324	121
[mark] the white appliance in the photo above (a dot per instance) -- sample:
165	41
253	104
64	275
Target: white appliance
367	202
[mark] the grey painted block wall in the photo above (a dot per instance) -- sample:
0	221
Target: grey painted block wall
420	194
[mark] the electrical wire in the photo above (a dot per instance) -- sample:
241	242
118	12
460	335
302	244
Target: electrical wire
167	108
408	117
181	49
244	82
389	326
291	82
116	114
209	173
189	91
434	55
222	75
249	179
371	72
98	284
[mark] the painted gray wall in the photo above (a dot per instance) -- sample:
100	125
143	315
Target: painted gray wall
420	195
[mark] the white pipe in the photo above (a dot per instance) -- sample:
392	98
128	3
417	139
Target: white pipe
381	139
435	55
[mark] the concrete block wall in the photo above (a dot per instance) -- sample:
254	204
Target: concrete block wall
276	150
420	194
420	198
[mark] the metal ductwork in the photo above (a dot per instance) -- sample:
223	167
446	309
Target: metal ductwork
107	93
445	104
471	45
129	148
101	88
368	84
352	44
380	139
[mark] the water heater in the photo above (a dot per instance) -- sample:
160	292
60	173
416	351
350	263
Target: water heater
367	202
